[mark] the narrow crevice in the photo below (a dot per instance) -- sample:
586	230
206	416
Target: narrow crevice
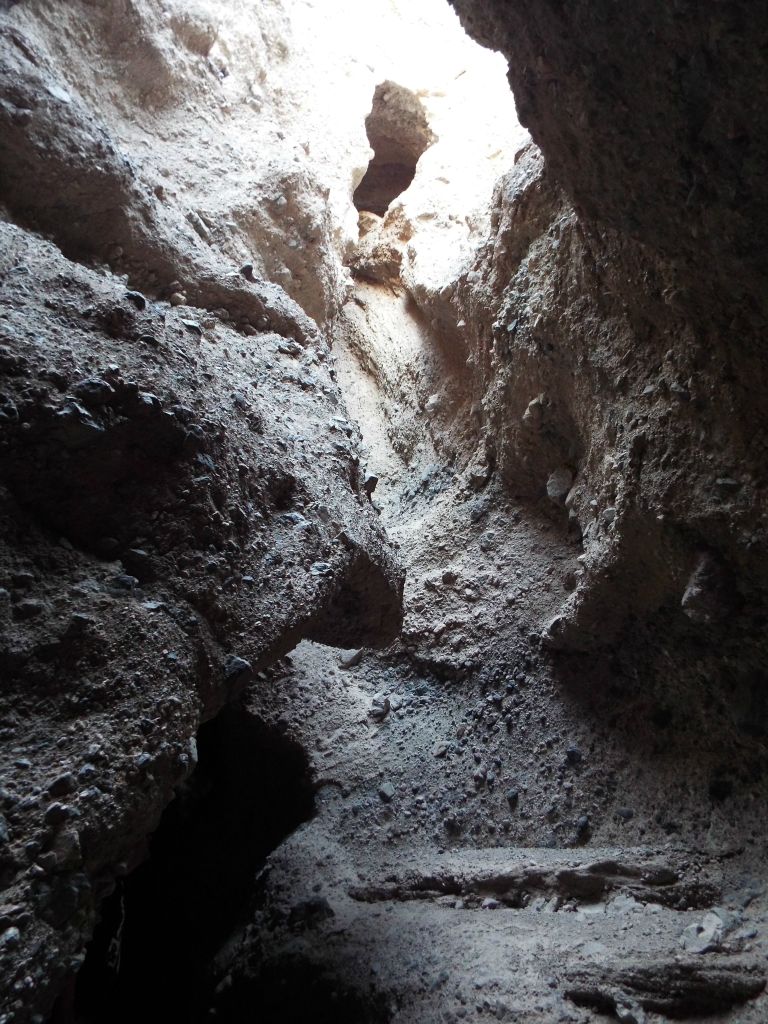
482	445
294	989
151	956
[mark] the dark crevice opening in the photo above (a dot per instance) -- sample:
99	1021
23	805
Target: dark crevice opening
151	957
399	133
294	989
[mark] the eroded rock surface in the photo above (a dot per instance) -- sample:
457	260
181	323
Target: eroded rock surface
168	531
544	800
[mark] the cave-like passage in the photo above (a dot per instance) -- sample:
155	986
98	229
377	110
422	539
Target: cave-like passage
151	955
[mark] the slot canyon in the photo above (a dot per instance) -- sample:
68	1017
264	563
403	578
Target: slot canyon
383	504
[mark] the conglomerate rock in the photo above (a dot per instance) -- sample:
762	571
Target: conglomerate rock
651	118
173	521
566	389
618	324
593	375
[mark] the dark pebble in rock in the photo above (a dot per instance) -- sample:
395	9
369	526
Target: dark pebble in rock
582	828
125	582
573	755
62	785
47	861
78	623
147	403
625	813
235	667
137	299
27	609
479	509
57	813
10	938
183	413
352	661
380	708
513	797
310	913
386	792
138	562
93	391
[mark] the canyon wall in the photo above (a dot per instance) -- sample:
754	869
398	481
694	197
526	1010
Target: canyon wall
618	309
560	380
182	494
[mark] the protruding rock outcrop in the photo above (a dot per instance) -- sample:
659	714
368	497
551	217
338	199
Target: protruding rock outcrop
174	519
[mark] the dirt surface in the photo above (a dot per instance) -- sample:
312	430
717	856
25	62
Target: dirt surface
467	861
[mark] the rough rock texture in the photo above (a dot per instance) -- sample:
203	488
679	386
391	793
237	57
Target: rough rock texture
168	531
650	118
545	799
182	501
456	868
75	162
571	438
654	416
631	320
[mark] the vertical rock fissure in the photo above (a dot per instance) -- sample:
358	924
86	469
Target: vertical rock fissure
154	951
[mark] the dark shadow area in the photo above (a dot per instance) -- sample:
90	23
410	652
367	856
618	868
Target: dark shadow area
294	990
398	132
150	958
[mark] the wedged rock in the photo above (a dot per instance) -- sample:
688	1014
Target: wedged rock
679	990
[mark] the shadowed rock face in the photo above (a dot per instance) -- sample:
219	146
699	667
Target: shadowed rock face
165	533
170	918
628	316
611	325
574	433
164	538
652	118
